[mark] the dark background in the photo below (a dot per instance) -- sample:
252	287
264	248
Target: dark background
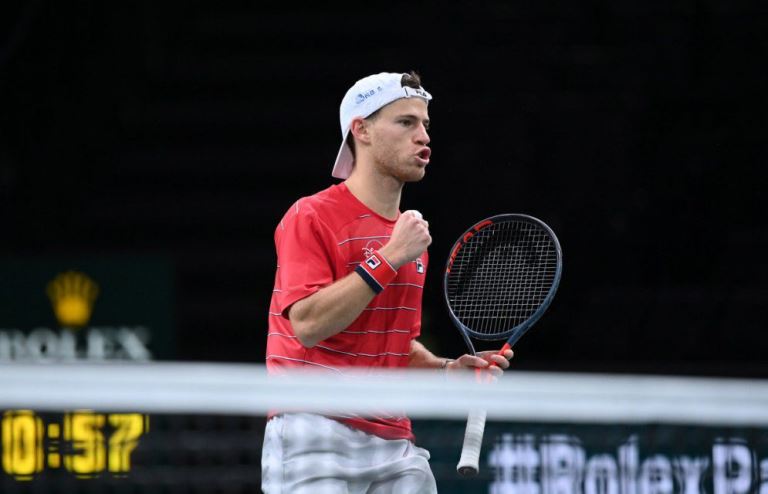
186	129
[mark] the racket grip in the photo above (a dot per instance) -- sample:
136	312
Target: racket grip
469	462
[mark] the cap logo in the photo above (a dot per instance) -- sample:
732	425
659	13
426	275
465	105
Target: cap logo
364	96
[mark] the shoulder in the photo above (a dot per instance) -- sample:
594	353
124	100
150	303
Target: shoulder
331	207
325	210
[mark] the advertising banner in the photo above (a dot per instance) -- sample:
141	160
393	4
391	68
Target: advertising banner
602	459
61	309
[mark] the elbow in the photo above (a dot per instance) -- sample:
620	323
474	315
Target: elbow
310	326
305	332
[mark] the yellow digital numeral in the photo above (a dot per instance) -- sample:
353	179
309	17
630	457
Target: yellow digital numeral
23	453
128	428
83	430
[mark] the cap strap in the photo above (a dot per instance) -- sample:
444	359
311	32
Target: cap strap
419	92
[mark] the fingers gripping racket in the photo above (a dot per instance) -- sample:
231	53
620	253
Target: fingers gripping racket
500	277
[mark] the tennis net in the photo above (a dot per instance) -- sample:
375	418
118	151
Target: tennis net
198	427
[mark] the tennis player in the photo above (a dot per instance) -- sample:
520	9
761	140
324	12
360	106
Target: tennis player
348	289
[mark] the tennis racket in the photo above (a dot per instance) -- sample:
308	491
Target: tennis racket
500	277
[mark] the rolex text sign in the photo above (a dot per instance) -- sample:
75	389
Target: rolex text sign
86	309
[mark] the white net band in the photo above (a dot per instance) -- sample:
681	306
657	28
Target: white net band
248	390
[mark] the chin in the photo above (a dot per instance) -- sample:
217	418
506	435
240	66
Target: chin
413	172
405	171
413	175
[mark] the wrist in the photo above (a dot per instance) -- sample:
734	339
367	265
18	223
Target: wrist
376	271
392	258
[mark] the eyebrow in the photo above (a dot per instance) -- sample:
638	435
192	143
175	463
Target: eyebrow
411	116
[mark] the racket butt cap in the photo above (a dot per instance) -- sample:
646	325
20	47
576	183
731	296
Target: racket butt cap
467	471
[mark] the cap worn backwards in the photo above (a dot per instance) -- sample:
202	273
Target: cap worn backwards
365	97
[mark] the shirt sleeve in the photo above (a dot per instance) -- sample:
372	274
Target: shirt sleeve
305	257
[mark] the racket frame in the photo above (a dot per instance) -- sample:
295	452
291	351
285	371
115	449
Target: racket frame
512	335
468	464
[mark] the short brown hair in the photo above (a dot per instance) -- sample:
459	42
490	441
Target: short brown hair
411	79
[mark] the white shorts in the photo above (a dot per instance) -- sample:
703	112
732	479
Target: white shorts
307	453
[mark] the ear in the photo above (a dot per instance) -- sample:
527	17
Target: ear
360	129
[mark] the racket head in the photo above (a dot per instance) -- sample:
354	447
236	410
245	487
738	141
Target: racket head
501	275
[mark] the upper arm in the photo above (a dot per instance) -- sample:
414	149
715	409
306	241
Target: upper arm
305	258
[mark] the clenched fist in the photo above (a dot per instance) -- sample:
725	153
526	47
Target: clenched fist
410	238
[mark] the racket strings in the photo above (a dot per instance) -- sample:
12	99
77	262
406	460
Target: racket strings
501	276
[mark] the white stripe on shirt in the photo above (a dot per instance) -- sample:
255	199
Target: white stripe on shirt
329	349
362	354
374	331
389	308
362	238
383	354
406	284
304	361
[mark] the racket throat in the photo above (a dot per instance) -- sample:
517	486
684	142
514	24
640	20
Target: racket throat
468	341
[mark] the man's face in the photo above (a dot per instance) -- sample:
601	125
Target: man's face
399	139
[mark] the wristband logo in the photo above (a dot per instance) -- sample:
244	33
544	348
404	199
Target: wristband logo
373	262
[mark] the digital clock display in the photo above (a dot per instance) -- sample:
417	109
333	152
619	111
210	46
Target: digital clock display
84	443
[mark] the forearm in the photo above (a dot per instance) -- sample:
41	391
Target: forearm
330	310
420	357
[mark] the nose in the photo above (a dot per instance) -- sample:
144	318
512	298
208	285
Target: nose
422	136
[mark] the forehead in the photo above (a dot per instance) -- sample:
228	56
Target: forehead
407	106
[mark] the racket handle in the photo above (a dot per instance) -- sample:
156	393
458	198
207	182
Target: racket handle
469	462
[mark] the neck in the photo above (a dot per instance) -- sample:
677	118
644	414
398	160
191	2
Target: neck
381	193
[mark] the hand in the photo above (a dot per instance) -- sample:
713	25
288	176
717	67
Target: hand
409	239
491	361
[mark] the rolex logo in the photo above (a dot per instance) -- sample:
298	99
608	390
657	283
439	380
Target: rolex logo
72	296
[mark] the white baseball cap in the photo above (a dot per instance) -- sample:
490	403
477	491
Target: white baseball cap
365	97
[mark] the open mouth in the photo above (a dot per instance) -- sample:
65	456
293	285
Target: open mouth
424	155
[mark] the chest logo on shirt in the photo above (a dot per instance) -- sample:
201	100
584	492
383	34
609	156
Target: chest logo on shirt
370	247
419	266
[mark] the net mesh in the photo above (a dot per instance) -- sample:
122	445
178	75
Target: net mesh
198	428
501	276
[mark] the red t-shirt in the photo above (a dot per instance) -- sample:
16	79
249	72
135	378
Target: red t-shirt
321	239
